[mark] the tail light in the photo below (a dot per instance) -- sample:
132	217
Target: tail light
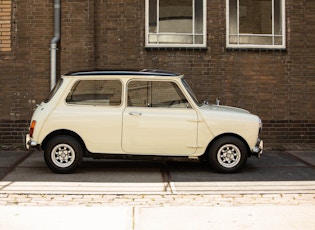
32	127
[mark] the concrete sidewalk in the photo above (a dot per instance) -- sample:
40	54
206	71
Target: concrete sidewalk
139	218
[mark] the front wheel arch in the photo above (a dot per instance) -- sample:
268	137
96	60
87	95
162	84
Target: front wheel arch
226	135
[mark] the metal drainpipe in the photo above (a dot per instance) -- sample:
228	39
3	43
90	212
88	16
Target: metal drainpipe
54	43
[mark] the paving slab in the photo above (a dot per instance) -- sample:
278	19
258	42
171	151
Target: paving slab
245	217
244	187
39	218
284	217
44	187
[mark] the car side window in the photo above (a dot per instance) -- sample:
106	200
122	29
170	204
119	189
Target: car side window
96	92
165	94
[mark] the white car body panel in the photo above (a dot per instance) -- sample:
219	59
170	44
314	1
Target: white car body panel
229	120
99	127
159	130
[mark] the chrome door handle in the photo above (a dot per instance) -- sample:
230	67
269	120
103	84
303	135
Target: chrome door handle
135	113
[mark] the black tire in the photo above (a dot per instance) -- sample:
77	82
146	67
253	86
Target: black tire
228	154
63	154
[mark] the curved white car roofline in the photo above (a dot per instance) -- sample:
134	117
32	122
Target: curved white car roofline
144	72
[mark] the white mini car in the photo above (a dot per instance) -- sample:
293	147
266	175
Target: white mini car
150	112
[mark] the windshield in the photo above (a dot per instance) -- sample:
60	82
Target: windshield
53	91
191	93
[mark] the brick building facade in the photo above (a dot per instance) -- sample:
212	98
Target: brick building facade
276	82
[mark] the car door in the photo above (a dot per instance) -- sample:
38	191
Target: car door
158	120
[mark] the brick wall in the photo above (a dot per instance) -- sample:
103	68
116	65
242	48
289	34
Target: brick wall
77	42
278	86
12	133
5	25
24	70
296	131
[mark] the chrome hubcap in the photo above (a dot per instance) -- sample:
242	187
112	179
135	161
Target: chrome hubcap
229	155
63	155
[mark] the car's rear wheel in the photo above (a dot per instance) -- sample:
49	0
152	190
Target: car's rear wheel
228	154
63	154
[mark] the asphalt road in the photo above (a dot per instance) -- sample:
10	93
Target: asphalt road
274	172
276	191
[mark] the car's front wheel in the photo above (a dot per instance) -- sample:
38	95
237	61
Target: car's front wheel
63	154
228	154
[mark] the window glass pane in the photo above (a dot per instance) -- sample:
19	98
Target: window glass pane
278	40
156	94
96	92
255	17
153	38
139	93
198	16
233	39
54	91
175	39
152	16
233	17
199	39
167	94
175	16
278	17
190	91
255	40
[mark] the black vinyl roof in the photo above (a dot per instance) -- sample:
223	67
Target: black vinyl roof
144	72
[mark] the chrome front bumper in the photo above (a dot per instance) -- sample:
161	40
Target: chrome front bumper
29	143
258	149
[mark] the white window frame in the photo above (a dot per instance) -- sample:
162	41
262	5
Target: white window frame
176	45
273	35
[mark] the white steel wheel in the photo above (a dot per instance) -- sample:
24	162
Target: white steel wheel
228	154
63	154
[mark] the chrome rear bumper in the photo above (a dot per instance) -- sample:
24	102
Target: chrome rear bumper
29	143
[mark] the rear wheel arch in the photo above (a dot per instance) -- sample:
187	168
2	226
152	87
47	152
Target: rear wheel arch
63	132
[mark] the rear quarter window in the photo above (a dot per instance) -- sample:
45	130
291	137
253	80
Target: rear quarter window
54	91
96	92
